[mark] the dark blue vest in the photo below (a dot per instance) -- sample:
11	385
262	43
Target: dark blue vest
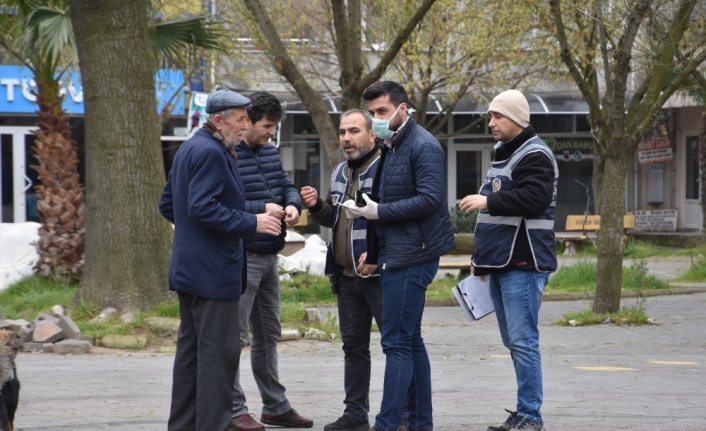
496	235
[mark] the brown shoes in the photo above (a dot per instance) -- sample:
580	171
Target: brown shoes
290	419
246	423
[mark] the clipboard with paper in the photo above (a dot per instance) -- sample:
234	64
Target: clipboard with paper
473	295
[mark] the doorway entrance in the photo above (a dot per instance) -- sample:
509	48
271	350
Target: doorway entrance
468	165
16	177
691	203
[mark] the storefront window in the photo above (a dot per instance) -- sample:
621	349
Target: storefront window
468	173
574	157
692	167
552	123
469	124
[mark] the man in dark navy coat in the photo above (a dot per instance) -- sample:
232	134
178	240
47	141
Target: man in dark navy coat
205	199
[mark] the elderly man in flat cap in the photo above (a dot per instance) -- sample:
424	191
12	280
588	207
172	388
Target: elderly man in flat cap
515	244
205	200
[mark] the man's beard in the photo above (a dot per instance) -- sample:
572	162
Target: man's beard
354	156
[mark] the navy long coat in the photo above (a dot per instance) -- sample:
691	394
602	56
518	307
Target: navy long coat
205	199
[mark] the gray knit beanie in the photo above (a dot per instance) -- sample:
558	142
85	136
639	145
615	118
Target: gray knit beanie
513	105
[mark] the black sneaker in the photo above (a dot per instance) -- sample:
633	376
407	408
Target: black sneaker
508	424
525	424
347	423
404	426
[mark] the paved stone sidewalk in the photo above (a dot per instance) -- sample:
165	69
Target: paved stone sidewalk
637	378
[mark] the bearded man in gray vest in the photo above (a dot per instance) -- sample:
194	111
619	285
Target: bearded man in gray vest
356	284
515	244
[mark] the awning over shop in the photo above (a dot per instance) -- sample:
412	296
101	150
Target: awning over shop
539	103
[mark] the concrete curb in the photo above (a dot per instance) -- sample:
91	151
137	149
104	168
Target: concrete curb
583	296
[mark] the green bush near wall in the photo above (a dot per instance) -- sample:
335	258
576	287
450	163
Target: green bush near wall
462	221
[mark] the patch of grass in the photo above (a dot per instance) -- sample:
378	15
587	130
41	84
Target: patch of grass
167	309
697	271
578	277
634	250
625	316
32	295
585	249
440	290
641	249
581	277
307	289
112	326
293	315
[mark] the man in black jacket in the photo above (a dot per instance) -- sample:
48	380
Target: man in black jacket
267	190
515	244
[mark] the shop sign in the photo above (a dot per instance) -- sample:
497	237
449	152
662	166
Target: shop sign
655	150
574	150
656	220
17	84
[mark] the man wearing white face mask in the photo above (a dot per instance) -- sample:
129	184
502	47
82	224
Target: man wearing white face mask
412	230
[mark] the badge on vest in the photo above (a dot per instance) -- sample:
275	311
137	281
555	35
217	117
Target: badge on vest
496	185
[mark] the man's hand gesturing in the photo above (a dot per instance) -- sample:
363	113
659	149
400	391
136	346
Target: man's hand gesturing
268	224
309	196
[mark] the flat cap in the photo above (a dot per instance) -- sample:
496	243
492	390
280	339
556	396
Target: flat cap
225	99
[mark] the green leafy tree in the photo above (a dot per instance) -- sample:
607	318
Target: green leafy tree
457	50
605	45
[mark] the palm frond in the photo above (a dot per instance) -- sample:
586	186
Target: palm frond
47	34
171	38
55	28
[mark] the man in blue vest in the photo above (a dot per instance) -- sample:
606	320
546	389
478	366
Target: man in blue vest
267	190
515	244
356	284
205	200
413	229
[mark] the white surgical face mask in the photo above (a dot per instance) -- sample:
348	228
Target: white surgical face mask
381	127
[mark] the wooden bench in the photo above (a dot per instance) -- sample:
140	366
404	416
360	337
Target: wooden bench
463	265
585	225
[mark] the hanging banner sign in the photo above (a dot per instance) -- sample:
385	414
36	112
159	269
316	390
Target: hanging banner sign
655	150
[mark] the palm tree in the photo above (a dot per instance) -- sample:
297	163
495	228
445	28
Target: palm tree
39	34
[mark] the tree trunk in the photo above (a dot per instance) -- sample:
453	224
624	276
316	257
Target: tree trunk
610	236
60	194
702	170
127	240
598	178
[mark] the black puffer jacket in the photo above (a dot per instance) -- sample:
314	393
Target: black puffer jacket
265	182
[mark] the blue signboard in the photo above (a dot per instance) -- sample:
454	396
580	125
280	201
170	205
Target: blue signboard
17	83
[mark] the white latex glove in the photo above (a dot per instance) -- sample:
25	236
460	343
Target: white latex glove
369	211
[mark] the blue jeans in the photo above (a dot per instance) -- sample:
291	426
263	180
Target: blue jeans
407	366
517	296
359	301
259	312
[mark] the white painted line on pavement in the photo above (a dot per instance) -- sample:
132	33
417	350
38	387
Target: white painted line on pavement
596	368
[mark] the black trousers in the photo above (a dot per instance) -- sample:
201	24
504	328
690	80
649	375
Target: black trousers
207	358
359	301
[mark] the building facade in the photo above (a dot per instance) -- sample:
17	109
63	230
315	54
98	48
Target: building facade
662	184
